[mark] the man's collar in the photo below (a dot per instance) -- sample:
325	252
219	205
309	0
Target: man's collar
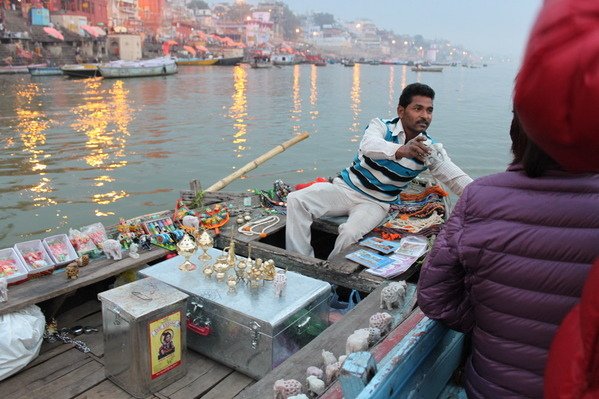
398	129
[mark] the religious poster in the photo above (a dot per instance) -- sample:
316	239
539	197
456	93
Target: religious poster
165	344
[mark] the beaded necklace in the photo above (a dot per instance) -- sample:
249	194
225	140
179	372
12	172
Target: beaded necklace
250	228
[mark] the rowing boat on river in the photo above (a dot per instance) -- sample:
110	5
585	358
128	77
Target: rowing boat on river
61	370
81	70
196	61
45	71
132	69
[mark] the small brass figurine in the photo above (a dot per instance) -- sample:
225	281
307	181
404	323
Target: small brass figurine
268	270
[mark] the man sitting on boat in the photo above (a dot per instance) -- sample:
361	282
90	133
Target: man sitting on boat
391	154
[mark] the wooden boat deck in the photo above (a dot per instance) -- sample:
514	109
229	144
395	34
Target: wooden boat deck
63	372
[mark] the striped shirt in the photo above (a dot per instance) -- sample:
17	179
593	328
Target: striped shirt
375	172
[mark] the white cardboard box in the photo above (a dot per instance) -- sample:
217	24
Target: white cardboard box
23	248
21	273
71	254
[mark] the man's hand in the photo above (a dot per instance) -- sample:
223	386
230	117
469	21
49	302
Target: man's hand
414	148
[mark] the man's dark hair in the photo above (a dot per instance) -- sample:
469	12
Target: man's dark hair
415	89
533	159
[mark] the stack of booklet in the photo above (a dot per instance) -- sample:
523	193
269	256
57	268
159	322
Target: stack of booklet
396	258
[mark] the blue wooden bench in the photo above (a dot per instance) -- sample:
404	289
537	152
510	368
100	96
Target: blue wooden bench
418	366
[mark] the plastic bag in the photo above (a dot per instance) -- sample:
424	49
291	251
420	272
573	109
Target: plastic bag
338	308
83	244
21	336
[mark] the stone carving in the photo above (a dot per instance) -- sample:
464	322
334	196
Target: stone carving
392	296
285	388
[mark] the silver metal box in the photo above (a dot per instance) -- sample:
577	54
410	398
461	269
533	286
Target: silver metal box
144	335
250	330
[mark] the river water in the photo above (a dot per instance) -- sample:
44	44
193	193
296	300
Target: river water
79	151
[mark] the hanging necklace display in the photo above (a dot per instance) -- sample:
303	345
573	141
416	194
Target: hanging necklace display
260	226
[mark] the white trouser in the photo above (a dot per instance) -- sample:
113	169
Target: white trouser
326	199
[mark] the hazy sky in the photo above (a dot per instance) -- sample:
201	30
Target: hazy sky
487	26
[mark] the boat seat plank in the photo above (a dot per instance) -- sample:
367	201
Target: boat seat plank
230	386
332	339
51	286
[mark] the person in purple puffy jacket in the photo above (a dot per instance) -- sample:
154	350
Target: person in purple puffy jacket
509	264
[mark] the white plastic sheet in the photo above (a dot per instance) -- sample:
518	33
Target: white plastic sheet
21	336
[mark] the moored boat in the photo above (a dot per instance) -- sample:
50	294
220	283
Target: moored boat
45	71
130	69
15	69
421	68
81	70
261	62
196	61
229	61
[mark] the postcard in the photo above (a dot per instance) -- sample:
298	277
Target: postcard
399	264
369	259
383	246
412	246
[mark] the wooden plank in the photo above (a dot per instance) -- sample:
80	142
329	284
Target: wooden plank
56	284
95	340
106	389
230	386
75	314
197	367
47	352
332	339
71	384
204	383
37	377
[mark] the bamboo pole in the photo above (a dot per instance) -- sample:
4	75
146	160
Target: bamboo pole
256	162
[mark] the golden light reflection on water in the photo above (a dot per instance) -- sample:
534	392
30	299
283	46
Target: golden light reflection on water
296	112
101	180
109	197
104	117
404	77
314	91
238	110
31	125
355	102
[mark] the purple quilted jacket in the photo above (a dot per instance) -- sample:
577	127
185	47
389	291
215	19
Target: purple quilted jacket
509	264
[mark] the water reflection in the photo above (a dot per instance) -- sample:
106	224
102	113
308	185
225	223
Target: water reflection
355	102
238	110
104	117
314	91
296	112
32	122
404	77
